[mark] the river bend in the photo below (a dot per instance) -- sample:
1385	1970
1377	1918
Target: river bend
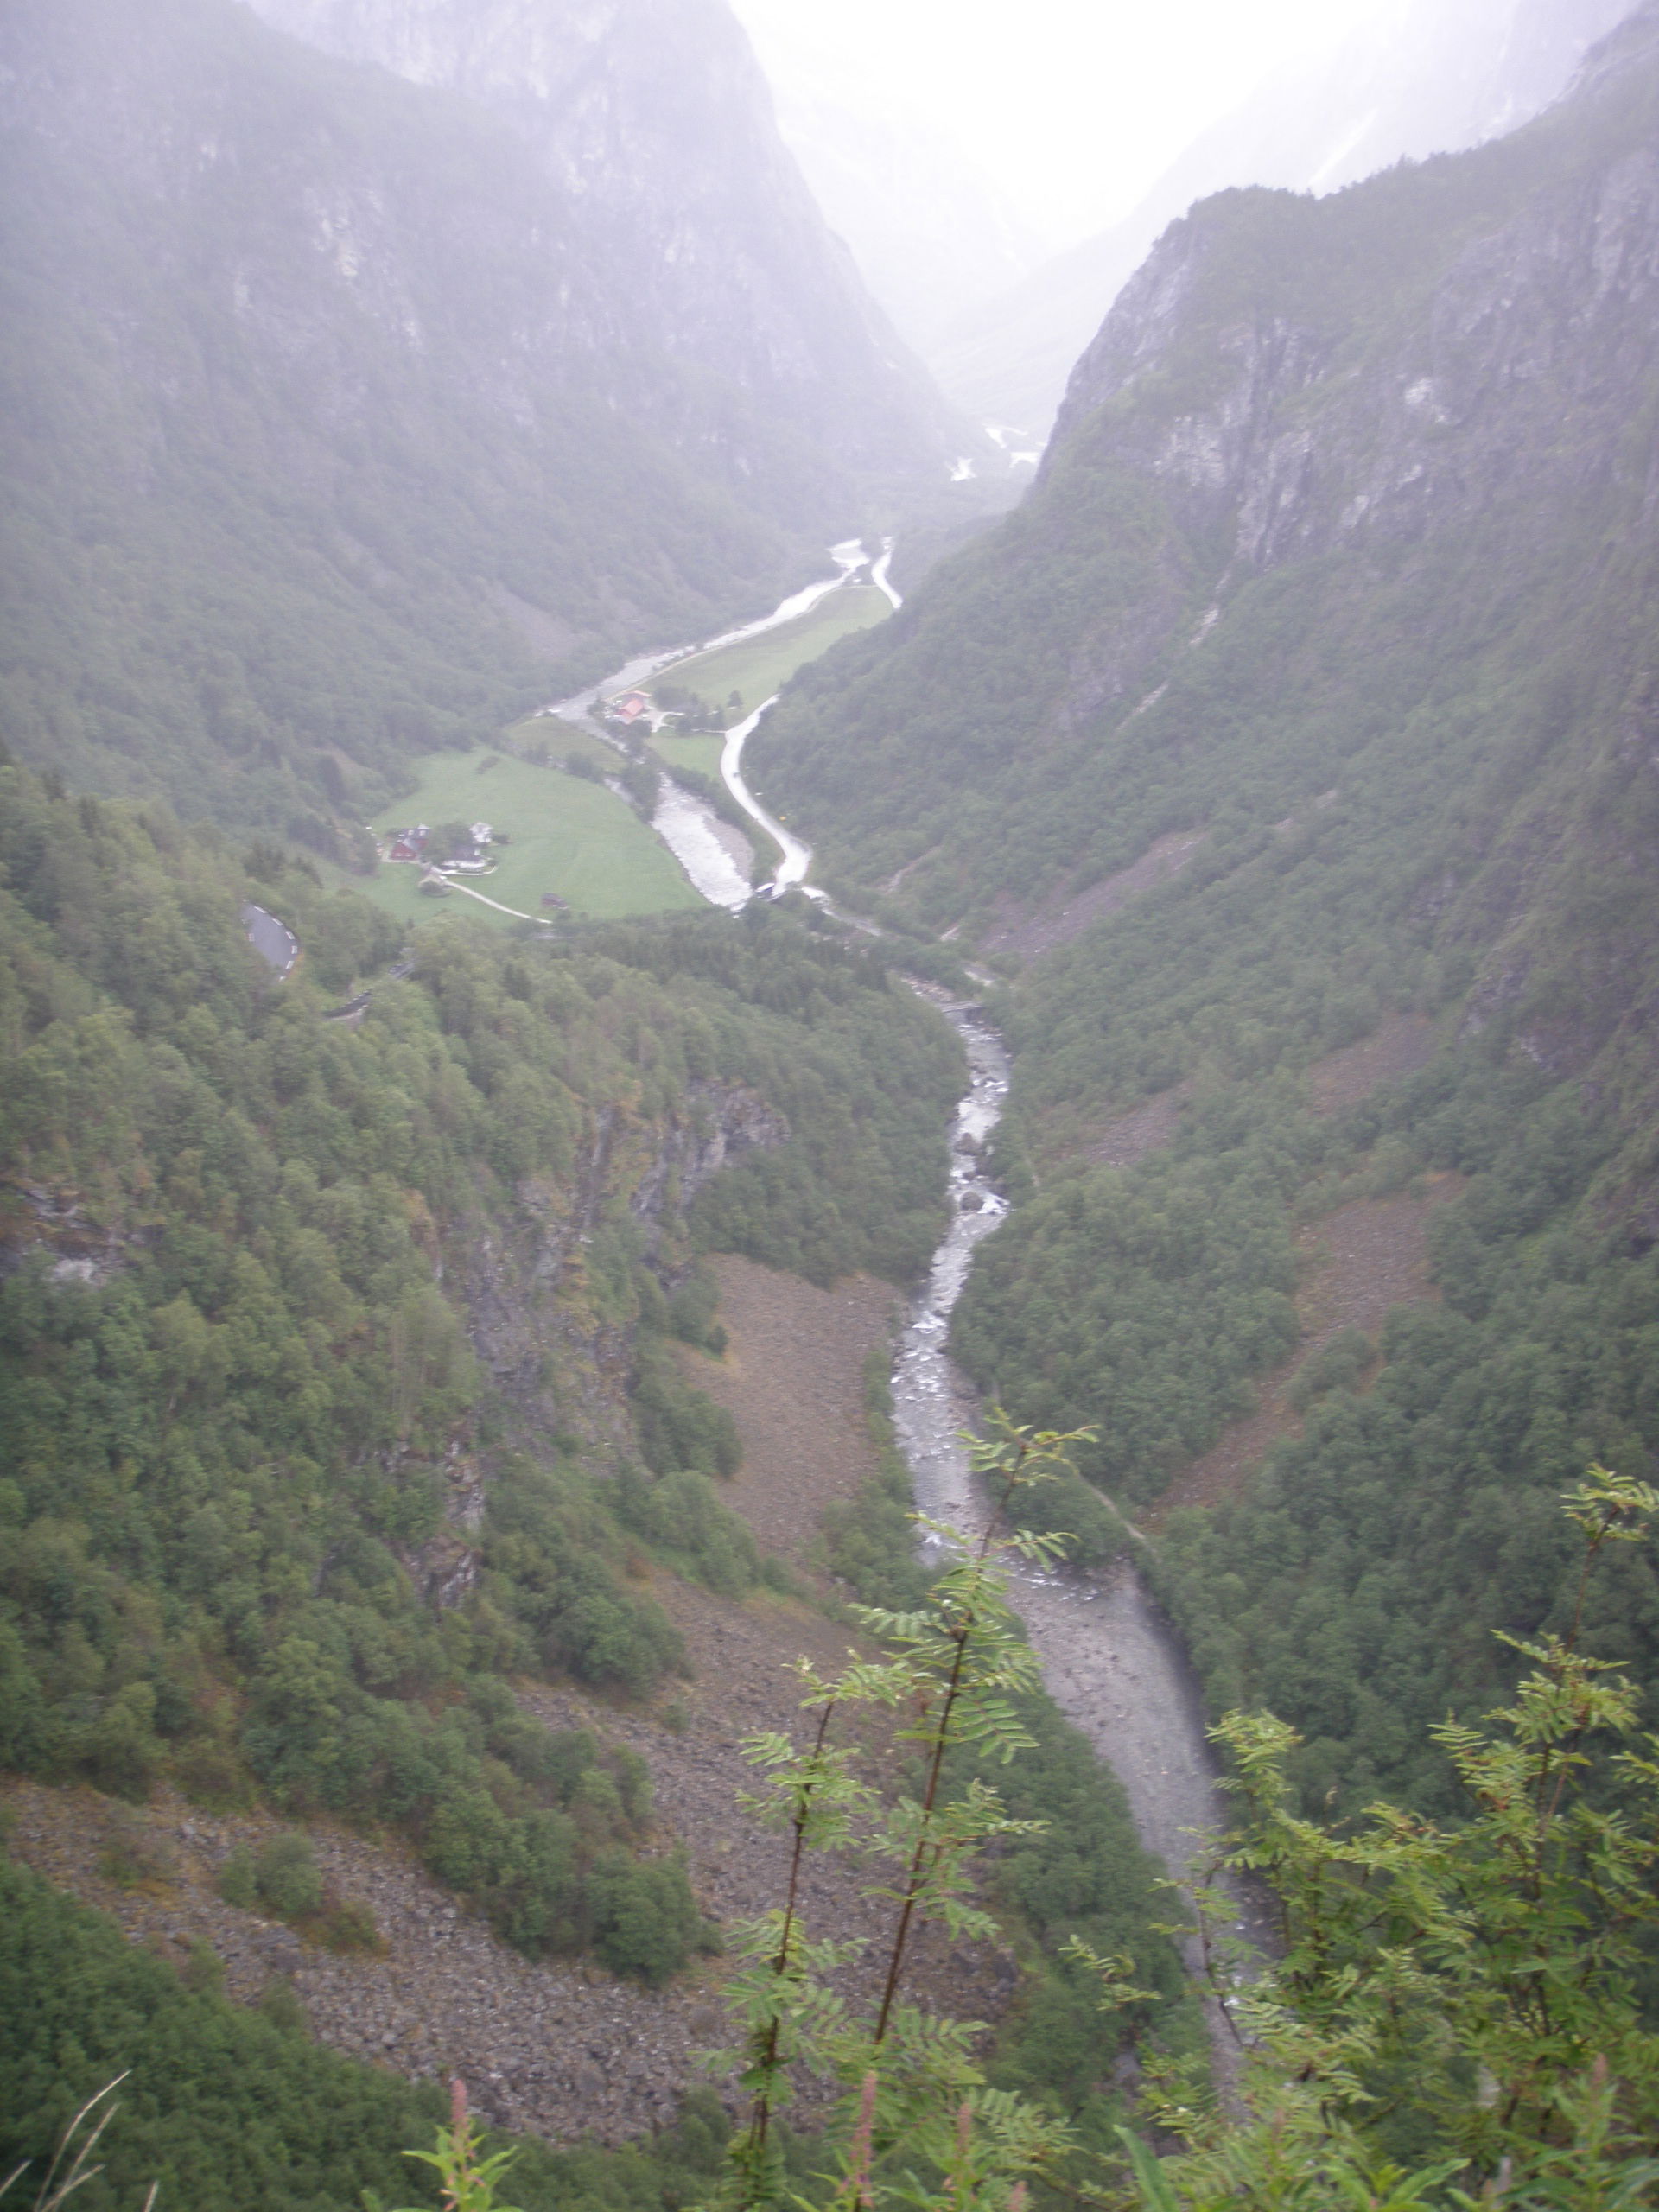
1111	1661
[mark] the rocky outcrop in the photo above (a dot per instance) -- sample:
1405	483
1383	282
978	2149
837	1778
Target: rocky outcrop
715	1123
79	1248
1417	78
559	1364
1305	409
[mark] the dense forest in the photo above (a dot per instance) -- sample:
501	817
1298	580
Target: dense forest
247	1422
1307	705
243	1414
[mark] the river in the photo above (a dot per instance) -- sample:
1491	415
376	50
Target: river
698	839
1112	1663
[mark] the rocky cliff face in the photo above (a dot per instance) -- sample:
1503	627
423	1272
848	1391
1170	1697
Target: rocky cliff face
1494	395
654	125
1416	79
1323	421
523	1279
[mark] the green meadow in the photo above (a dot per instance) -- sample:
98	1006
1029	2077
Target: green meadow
575	838
566	836
701	751
561	740
762	665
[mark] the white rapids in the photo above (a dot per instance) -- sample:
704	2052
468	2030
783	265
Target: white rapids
1111	1661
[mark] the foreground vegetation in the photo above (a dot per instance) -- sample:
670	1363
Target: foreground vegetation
1449	2020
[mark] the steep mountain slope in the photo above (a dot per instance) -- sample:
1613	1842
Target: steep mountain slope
317	1336
1419	78
342	420
654	122
1311	687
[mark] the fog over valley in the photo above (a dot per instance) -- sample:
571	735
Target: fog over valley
829	1105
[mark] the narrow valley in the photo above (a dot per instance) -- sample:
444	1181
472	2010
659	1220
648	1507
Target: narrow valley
700	1366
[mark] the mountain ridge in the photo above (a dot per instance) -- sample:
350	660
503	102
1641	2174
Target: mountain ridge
657	119
1312	131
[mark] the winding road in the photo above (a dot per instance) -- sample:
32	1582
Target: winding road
798	857
274	942
690	829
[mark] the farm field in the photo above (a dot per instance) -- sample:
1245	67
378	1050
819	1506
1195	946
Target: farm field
562	739
568	836
700	751
755	669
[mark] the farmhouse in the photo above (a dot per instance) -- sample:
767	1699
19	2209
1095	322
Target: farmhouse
407	844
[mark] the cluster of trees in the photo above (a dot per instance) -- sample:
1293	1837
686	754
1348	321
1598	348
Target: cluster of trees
865	1075
1356	1587
1449	2016
696	713
239	1402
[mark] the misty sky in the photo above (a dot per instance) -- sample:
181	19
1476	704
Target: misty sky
1071	106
